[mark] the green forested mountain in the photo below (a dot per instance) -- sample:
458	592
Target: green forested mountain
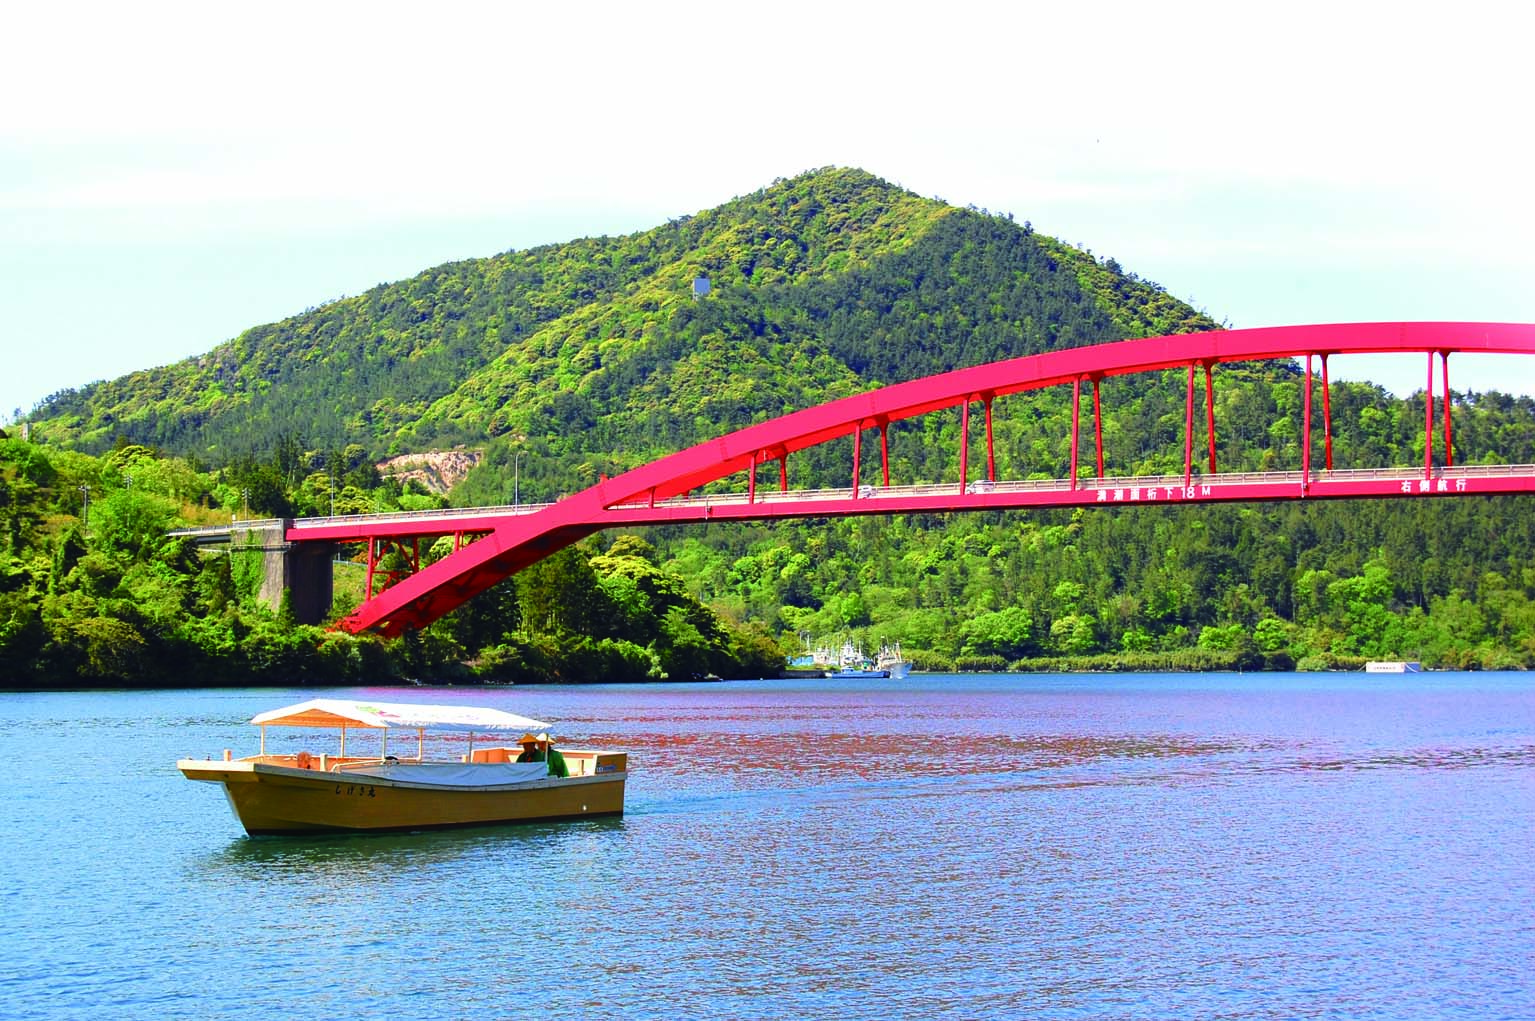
828	283
569	360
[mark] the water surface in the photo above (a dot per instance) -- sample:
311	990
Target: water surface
942	847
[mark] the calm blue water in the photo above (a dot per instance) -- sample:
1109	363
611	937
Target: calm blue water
943	847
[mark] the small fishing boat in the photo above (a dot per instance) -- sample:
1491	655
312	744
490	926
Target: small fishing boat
303	792
851	664
890	660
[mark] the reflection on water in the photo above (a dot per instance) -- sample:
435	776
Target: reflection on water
940	848
340	856
1426	758
785	754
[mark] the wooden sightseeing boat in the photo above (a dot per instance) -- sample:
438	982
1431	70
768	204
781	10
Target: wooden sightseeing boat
302	792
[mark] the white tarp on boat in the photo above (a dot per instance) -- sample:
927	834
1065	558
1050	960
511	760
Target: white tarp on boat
337	712
451	774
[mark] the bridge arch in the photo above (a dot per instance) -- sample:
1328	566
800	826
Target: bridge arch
509	539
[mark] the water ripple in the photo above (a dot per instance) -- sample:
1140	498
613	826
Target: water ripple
947	848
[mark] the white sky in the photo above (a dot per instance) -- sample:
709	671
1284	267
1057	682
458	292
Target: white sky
171	174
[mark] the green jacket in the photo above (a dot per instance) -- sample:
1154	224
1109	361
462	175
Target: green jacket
556	761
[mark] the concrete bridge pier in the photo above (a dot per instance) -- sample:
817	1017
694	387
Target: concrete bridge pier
301	569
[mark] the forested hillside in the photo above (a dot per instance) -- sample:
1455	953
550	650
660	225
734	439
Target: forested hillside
822	285
93	592
564	362
97	595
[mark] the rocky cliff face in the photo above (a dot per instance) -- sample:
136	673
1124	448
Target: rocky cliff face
437	470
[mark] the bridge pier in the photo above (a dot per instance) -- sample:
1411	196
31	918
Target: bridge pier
303	570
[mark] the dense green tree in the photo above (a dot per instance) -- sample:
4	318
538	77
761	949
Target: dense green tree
1008	633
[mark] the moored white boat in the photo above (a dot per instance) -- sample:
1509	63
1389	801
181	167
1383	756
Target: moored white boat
302	792
854	673
851	663
890	660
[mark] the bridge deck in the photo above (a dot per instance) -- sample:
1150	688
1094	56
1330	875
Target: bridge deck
1463	480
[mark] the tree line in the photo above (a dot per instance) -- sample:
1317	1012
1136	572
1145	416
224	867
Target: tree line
94	591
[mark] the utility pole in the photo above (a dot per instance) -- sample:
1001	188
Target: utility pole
85	515
517	479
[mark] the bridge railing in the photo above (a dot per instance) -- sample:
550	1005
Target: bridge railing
1459	471
248	525
504	510
979	487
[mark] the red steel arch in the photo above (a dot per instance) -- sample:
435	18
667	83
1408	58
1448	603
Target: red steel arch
511	538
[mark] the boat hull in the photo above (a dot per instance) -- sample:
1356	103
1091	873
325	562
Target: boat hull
273	800
1393	667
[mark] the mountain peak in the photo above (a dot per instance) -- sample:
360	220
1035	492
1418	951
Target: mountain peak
822	283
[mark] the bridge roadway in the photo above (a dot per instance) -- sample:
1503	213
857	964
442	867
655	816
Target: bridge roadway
1460	480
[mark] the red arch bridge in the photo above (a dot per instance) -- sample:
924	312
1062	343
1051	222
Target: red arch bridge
492	543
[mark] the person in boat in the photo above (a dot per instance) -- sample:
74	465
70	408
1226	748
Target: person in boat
541	749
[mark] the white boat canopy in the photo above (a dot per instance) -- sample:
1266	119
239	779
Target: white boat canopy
336	712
